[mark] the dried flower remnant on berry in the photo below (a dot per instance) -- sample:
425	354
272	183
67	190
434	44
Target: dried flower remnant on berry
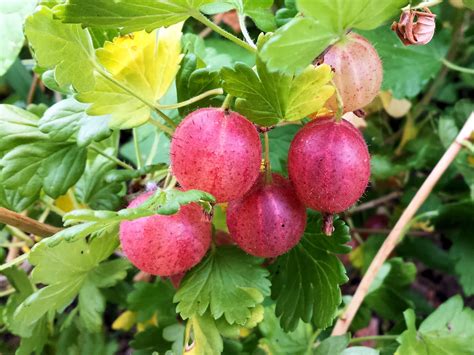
415	27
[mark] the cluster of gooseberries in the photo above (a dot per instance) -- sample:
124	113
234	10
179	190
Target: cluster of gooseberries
220	152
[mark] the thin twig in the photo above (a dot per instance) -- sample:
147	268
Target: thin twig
374	203
26	224
31	92
343	323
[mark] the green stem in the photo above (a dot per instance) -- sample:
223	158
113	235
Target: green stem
165	117
192	100
15	261
227	102
7	292
312	342
457	67
204	20
161	126
187	333
268	168
138	152
340	103
52	207
20	235
154	149
372	337
111	158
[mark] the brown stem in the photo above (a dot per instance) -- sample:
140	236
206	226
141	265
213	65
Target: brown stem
26	224
343	323
374	203
31	92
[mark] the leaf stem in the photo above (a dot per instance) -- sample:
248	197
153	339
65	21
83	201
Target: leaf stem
343	323
458	68
52	207
165	117
187	334
138	152
15	261
267	165
160	126
20	235
373	337
244	30
7	292
154	149
111	157
192	100
340	103
205	21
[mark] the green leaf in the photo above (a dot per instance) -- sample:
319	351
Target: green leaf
68	118
150	341
67	48
13	199
146	299
92	189
387	294
455	220
449	126
407	69
340	15
12	15
280	139
75	261
334	345
306	280
267	98
301	40
55	167
469	4
227	282
207	340
141	68
17	126
295	45
281	342
259	10
449	330
191	82
129	15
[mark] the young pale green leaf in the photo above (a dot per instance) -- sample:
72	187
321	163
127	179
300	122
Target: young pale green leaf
306	280
407	69
67	48
295	45
449	330
207	340
68	118
128	15
340	15
226	283
75	260
267	98
280	139
141	67
12	15
281	342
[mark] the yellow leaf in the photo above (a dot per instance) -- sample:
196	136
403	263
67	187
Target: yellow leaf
125	321
153	321
140	69
394	107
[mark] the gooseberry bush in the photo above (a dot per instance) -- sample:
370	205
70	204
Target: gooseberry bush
237	177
